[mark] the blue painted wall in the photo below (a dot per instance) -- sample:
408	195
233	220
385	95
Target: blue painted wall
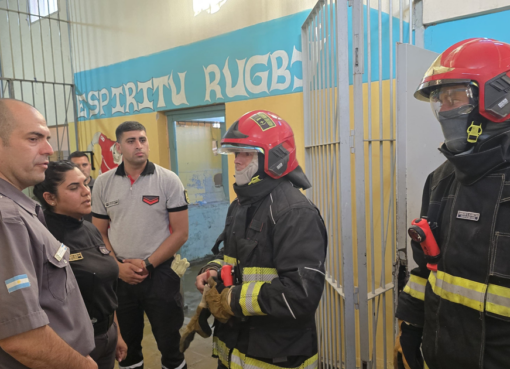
206	222
258	61
441	36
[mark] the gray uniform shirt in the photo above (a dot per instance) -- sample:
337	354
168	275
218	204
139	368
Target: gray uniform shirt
138	211
37	285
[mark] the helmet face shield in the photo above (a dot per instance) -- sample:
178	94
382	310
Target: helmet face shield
452	105
458	99
228	149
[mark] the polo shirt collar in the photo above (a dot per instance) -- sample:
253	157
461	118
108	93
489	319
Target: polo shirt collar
8	190
150	168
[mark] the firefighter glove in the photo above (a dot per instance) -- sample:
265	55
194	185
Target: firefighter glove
198	324
218	300
179	265
407	352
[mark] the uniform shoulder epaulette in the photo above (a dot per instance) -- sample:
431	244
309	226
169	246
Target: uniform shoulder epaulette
8	209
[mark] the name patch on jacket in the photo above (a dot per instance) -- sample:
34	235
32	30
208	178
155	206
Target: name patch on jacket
467	215
76	257
151	200
111	203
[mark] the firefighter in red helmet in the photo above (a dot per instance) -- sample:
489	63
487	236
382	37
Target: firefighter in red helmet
275	240
458	316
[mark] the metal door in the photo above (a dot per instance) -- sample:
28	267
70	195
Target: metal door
419	135
348	91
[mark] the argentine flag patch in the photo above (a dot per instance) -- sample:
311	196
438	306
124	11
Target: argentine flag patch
17	283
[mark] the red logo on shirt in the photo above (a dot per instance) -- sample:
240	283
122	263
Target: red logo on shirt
151	200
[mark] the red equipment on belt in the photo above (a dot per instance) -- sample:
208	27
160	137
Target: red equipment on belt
420	232
226	275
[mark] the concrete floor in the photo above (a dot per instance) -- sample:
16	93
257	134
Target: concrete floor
198	355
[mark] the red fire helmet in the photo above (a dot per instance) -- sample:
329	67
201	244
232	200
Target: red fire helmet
481	62
267	133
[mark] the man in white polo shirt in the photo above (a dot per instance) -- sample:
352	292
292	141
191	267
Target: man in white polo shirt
134	207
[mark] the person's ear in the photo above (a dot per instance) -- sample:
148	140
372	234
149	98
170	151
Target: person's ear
50	198
117	147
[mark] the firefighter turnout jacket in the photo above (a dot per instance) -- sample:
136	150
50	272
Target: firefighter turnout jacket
464	307
276	240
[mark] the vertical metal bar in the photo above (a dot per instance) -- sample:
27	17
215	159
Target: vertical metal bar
337	130
10	40
306	96
33	94
315	76
72	74
392	148
358	48
56	123
61	49
42	43
327	54
401	20
343	121
331	63
370	180
32	45
51	43
411	22
21	43
320	59
381	159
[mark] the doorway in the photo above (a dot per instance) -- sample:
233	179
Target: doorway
193	136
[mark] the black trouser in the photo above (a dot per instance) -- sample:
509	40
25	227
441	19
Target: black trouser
106	344
159	297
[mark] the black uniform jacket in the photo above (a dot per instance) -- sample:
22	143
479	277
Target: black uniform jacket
276	240
464	307
95	270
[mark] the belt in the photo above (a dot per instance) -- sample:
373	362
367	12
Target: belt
102	326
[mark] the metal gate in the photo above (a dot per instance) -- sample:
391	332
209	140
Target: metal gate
36	63
348	88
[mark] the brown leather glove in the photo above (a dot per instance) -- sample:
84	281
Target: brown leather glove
218	303
407	352
198	324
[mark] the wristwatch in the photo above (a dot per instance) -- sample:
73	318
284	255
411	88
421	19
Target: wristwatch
148	265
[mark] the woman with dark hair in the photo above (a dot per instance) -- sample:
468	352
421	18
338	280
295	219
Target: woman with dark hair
66	199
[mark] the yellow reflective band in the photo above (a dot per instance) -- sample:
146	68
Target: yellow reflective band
217	261
241	361
426	366
230	260
249	298
220	350
257	274
416	287
498	300
458	290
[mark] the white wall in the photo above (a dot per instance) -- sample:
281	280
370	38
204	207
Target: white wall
108	32
435	11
